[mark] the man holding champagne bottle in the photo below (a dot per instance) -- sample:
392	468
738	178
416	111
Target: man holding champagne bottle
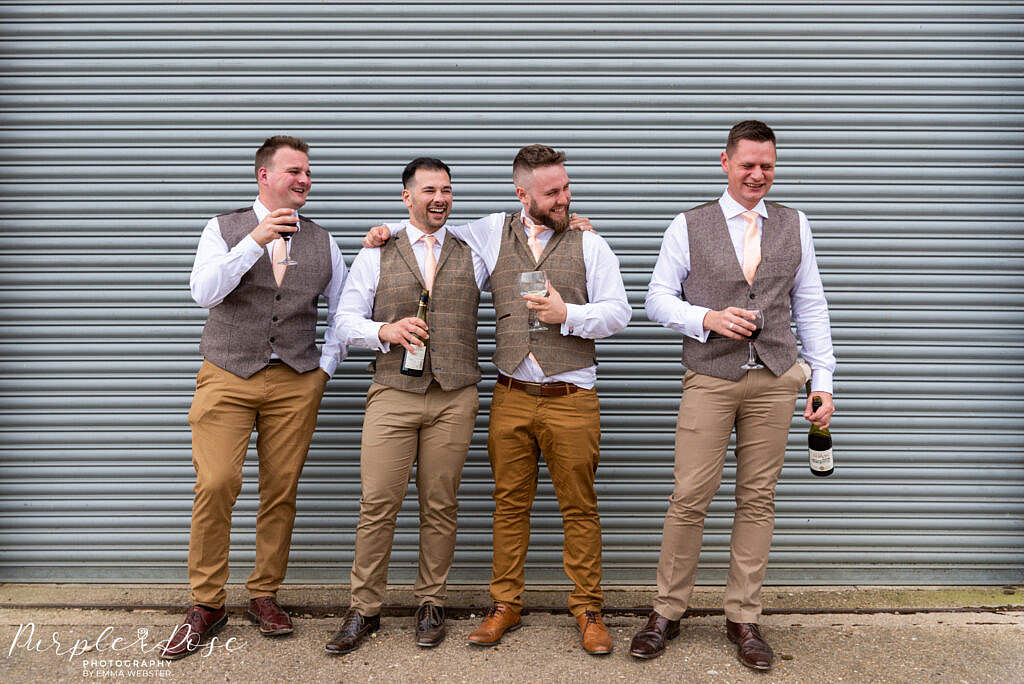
414	300
730	277
261	368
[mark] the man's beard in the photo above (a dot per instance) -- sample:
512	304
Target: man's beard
555	223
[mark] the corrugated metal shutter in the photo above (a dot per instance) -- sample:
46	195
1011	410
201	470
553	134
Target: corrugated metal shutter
125	126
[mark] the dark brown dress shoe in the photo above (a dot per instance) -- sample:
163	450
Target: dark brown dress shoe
353	630
271	618
499	619
200	624
430	630
751	648
650	641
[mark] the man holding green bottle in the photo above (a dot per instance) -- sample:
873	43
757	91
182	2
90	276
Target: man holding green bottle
730	271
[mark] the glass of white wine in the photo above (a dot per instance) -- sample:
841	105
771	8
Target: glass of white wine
534	283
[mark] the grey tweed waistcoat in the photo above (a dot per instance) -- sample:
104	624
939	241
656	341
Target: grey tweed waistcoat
258	317
716	281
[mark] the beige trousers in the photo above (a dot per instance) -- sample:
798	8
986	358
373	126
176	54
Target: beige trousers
282	405
760	407
432	430
567	431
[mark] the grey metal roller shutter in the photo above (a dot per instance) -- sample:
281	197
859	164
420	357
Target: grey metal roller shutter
125	126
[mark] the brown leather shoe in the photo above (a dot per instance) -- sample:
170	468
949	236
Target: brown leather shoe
271	618
499	619
200	624
594	635
751	648
650	641
430	630
353	630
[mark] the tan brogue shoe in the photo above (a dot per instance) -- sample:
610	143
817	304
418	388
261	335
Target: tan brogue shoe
499	619
594	636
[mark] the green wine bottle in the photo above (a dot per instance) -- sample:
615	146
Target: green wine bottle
819	445
412	362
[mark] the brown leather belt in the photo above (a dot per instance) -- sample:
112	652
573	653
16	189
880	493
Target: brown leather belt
539	389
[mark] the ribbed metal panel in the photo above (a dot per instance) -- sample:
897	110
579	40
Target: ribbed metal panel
126	125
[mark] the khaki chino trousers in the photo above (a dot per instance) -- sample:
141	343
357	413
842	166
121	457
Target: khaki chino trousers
760	407
567	430
282	406
432	431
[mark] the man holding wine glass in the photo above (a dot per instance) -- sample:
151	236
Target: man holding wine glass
261	369
731	276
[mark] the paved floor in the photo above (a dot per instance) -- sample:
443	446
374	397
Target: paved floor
951	643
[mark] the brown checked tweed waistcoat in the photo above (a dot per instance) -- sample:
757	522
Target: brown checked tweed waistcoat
451	317
562	260
258	316
716	281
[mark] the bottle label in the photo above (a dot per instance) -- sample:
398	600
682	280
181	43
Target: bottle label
414	360
821	460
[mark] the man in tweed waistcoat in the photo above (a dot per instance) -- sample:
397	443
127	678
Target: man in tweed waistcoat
545	402
261	369
728	259
426	420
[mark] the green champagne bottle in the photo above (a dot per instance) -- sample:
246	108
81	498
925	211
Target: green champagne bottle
819	445
412	362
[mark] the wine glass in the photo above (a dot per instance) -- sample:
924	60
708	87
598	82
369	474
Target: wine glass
287	260
752	363
534	283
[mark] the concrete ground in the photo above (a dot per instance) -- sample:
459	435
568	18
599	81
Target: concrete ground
972	634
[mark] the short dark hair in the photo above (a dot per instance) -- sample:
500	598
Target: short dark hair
534	157
273	144
428	163
749	130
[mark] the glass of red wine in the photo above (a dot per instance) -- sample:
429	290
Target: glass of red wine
288	261
752	362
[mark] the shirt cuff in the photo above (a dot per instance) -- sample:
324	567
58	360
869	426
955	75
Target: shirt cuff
574	318
821	380
250	246
382	346
700	333
328	363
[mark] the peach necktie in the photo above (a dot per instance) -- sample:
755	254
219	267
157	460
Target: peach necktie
751	246
430	262
280	252
535	246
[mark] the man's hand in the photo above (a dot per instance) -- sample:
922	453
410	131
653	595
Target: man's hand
273	224
731	322
550	309
823	416
405	332
577	222
376	236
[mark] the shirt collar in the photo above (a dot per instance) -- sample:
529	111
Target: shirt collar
415	233
731	208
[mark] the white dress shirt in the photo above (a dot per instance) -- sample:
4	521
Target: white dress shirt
218	270
356	316
605	314
810	310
